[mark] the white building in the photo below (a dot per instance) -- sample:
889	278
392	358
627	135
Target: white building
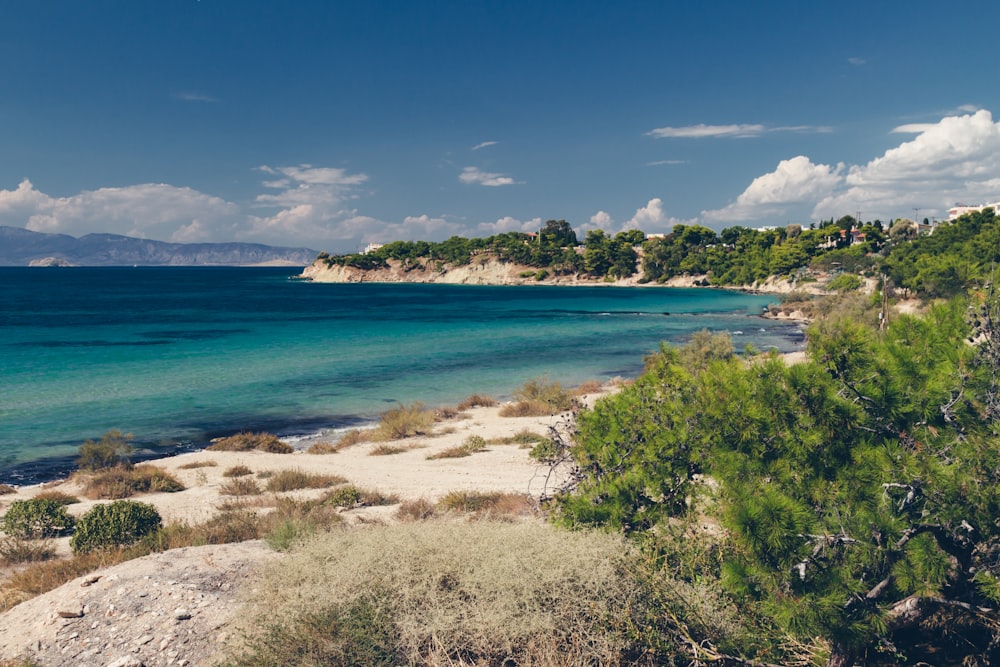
961	209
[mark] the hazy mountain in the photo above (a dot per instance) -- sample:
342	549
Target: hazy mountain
22	247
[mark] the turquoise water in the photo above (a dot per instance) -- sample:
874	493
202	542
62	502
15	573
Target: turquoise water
177	356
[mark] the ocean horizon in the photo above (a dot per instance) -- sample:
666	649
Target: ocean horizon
177	356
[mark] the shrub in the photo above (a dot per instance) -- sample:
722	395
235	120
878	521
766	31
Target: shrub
538	398
113	449
420	509
36	518
247	441
492	504
845	282
59	496
237	471
116	524
477	401
240	486
323	448
350	496
450	594
589	387
545	451
354	437
6	489
472	444
123	482
290	480
404	421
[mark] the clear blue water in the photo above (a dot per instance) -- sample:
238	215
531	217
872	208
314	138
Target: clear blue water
177	356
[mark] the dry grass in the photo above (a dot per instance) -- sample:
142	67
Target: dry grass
323	448
446	593
208	463
388	450
524	438
488	504
247	441
291	480
59	496
477	401
6	489
472	444
355	436
15	551
539	398
420	509
589	387
447	413
405	421
126	481
240	486
237	471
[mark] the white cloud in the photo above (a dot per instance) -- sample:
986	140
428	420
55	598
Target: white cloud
739	131
650	218
484	144
955	159
473	176
509	224
857	61
701	130
153	210
794	181
601	220
190	96
658	163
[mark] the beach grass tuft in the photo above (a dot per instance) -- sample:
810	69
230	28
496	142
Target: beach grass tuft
477	401
60	497
404	421
16	550
472	444
207	463
293	479
355	436
350	497
539	398
483	504
322	448
125	481
6	489
524	438
241	486
248	441
420	509
387	449
237	471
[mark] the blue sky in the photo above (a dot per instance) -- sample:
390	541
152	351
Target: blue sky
332	124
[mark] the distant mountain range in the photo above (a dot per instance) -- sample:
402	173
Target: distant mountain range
22	247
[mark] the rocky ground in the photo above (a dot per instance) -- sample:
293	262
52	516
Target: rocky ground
170	608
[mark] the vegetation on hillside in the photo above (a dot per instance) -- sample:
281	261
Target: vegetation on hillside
933	264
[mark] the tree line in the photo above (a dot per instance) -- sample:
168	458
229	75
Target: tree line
938	264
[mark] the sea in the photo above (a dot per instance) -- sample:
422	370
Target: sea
178	356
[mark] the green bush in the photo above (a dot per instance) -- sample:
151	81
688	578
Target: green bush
111	450
116	524
845	282
36	518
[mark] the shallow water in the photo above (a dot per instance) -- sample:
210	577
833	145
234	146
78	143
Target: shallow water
177	356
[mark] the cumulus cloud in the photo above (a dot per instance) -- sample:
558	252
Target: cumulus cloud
650	218
794	181
509	224
150	210
473	176
955	159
